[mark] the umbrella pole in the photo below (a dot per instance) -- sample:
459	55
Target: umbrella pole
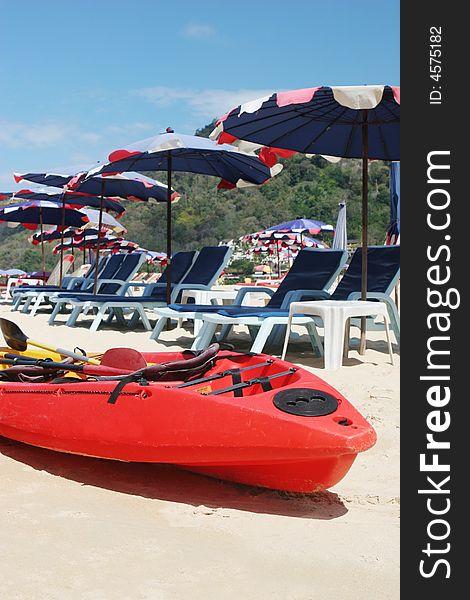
62	224
42	245
365	222
278	263
100	223
84	247
168	230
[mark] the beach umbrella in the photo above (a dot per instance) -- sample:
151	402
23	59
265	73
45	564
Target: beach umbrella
71	239
72	197
132	186
55	234
44	212
41	212
87	243
75	199
12	272
59	234
393	232
302	226
153	257
32	213
280	244
340	239
345	121
191	154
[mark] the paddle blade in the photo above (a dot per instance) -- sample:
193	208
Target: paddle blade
13	335
123	358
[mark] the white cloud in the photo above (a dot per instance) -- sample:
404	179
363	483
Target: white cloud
17	134
209	103
197	30
130	128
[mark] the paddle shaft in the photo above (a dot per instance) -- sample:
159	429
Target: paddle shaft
63	352
46	364
18	340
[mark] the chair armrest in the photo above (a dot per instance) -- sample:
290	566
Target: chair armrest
138	284
73	281
304	295
132	284
192	286
120	282
369	296
242	292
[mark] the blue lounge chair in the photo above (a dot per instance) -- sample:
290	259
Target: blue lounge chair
312	270
127	265
383	274
202	274
40	294
181	263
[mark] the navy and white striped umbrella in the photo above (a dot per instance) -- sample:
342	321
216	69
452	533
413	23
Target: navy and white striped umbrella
311	226
56	234
75	199
34	213
345	121
133	186
41	212
320	120
191	154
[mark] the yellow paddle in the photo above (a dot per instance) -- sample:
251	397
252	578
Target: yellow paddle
18	340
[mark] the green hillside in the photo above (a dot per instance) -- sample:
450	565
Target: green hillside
307	187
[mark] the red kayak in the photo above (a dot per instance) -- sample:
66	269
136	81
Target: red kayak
247	418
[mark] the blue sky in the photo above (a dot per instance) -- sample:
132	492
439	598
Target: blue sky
81	78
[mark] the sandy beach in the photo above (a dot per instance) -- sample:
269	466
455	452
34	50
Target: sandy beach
76	528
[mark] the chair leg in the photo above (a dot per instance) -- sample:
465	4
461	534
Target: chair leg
277	335
17	299
389	344
76	310
315	340
100	315
394	321
347	335
86	309
224	332
287	336
205	335
39	299
334	340
139	314
26	305
253	332
55	312
117	313
262	337
159	327
140	311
